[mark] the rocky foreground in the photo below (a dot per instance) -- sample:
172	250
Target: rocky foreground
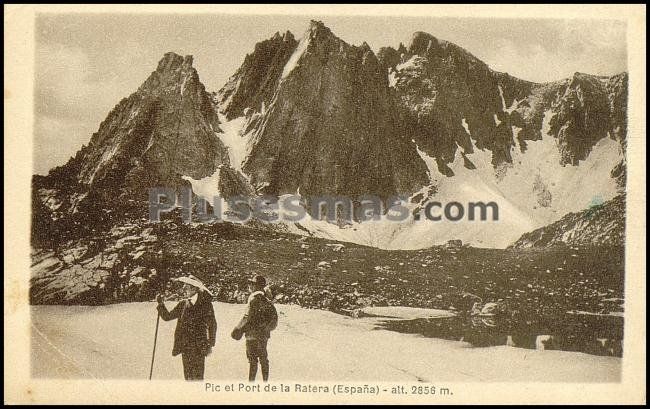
134	260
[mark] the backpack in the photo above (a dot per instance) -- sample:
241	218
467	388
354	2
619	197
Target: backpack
264	315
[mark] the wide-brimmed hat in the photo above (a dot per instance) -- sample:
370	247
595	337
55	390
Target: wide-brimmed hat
259	280
193	281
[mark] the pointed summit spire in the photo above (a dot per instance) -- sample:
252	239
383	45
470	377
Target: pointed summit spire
318	30
317	25
422	42
167	127
288	36
172	61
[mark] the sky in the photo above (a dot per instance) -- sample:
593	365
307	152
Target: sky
86	63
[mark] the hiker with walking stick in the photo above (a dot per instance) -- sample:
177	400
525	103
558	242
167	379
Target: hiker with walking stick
196	328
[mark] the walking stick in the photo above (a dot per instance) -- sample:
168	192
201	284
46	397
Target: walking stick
163	282
155	338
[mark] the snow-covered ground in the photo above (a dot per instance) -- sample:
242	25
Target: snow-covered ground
115	341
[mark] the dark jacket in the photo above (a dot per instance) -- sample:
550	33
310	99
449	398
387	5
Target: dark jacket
250	324
196	328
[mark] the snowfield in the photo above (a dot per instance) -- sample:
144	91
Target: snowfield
234	139
115	341
208	187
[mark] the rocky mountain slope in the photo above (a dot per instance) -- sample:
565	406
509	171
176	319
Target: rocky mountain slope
166	129
602	223
327	127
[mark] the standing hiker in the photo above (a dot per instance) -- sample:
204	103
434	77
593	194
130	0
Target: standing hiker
260	319
196	328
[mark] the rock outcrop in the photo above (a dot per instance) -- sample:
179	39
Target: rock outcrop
581	111
601	224
447	98
253	85
165	129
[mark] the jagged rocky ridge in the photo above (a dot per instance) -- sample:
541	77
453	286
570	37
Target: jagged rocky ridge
450	100
439	95
316	115
435	97
320	119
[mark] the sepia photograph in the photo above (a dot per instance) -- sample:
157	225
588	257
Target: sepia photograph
330	206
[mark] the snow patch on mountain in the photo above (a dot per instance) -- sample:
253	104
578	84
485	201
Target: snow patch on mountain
183	84
466	126
503	102
225	104
105	158
412	63
533	191
428	160
235	141
571	188
207	187
375	233
298	52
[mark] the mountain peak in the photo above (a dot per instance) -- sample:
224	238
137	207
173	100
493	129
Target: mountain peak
421	35
139	141
172	61
422	42
318	30
254	83
173	71
288	36
317	25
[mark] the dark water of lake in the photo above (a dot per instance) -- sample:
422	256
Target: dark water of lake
596	335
